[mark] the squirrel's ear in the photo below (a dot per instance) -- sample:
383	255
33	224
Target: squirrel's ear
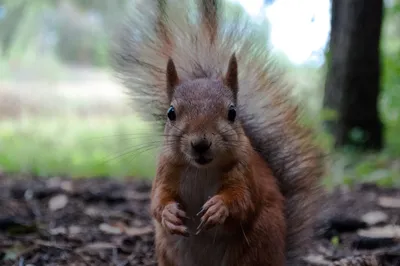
231	77
172	78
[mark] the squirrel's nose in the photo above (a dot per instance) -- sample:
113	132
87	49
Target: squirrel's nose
201	146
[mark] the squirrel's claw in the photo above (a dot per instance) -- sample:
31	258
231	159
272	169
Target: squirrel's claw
172	220
213	212
176	229
201	212
200	227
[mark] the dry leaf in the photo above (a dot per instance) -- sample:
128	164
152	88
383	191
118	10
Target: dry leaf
58	202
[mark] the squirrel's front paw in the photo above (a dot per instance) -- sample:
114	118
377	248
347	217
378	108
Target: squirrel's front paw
214	212
171	219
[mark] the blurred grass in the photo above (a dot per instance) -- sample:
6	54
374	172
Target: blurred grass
78	147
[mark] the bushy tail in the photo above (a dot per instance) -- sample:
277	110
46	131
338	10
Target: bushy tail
200	41
195	34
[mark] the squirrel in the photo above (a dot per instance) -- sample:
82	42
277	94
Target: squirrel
238	175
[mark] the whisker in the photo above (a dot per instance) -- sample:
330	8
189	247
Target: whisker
135	136
130	150
142	145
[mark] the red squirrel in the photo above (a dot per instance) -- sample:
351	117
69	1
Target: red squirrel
238	175
214	198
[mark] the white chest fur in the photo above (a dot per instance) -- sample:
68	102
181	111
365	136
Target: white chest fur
207	248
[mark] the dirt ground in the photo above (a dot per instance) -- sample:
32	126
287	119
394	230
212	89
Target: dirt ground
106	222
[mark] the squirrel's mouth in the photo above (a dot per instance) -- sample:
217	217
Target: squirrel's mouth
201	160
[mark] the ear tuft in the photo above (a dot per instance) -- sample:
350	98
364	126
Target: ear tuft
231	76
172	78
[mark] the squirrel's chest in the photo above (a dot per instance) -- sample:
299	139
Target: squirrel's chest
196	187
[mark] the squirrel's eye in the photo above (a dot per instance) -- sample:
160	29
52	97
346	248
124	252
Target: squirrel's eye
232	113
171	113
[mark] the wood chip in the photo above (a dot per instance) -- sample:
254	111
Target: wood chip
137	231
93	212
134	230
96	246
67	186
389	202
389	231
74	230
316	260
140	196
112	230
58	202
375	217
58	231
53	182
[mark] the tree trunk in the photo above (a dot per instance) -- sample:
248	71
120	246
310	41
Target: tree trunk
353	81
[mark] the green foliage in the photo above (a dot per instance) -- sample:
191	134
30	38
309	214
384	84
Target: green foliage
79	41
335	241
349	167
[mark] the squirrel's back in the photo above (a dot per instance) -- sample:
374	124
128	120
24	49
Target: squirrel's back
201	37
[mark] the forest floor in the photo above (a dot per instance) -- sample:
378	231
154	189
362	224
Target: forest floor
106	222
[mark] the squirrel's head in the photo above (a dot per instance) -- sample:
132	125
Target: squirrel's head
201	124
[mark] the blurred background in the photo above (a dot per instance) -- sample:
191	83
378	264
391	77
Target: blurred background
62	113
